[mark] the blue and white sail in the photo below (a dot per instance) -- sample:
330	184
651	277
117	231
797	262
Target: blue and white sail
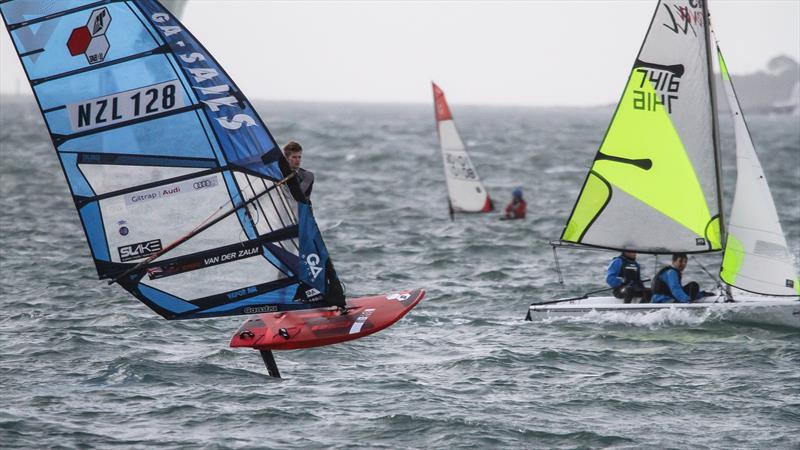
156	141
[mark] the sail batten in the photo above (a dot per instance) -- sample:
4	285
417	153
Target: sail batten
653	187
156	141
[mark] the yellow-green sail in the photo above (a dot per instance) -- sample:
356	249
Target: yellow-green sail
652	186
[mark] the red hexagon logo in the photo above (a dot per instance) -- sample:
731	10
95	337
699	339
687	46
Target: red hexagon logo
79	40
90	40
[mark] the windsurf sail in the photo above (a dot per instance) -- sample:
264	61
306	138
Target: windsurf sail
653	186
465	190
157	142
756	257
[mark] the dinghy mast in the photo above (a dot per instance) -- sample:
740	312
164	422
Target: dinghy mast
715	124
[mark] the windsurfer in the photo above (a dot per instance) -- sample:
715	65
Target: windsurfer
624	275
667	283
515	209
294	154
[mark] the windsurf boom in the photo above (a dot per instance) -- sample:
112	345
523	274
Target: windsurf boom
184	196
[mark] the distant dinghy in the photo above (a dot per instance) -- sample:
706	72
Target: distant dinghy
654	185
466	193
185	199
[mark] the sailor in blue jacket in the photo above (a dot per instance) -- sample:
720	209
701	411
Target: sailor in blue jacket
624	275
667	286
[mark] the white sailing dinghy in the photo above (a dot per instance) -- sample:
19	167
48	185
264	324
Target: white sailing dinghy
465	190
654	185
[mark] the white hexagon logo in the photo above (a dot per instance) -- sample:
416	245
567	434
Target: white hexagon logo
98	47
99	21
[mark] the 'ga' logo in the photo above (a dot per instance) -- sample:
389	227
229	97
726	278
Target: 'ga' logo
313	265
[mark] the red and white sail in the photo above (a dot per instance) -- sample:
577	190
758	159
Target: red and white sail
464	187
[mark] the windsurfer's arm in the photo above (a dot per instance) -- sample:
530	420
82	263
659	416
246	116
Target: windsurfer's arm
612	275
671	277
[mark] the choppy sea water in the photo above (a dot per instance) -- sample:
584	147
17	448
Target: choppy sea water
83	364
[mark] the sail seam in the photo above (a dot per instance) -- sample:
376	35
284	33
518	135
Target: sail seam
158	50
141	187
60	139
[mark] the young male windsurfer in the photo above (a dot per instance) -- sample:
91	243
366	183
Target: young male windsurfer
294	154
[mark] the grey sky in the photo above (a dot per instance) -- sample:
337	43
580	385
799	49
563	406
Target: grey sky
524	53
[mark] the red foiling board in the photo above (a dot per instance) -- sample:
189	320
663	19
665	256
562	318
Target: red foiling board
317	327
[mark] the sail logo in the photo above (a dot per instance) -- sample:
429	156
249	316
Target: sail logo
125	106
171	190
90	40
313	265
204	75
260	309
242	292
459	166
682	20
658	85
139	250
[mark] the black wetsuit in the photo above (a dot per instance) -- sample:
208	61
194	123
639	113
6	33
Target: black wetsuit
306	181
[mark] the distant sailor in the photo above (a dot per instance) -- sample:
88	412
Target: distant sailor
294	154
515	209
624	275
667	286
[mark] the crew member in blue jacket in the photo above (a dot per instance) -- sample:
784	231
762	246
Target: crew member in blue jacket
624	275
667	286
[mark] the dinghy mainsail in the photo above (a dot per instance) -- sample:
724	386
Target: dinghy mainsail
653	186
466	192
156	140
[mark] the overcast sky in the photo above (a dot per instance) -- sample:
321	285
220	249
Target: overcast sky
521	53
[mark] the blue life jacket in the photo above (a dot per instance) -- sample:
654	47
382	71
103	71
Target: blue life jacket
660	287
629	271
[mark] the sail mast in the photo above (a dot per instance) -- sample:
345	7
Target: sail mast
723	234
714	123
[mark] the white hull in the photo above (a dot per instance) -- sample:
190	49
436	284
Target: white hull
746	309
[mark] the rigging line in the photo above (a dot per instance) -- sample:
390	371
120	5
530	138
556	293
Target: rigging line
239	195
198	229
291	216
558	267
259	207
280	217
699	263
277	211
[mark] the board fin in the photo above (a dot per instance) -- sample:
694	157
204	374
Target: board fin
269	361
